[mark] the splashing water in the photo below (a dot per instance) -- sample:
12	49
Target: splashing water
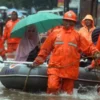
11	94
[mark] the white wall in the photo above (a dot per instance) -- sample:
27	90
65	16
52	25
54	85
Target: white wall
75	4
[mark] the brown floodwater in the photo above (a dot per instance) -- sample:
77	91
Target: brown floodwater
11	94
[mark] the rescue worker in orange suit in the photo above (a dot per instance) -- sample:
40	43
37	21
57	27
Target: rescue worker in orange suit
12	43
65	44
88	27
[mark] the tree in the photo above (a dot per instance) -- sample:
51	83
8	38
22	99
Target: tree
38	4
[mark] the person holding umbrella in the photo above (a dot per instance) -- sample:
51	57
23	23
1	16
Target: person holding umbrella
65	43
28	47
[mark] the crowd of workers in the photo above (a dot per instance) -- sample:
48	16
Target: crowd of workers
63	45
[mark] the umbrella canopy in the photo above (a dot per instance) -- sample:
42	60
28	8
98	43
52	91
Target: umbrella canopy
43	22
3	8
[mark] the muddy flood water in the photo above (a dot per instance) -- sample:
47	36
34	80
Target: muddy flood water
11	94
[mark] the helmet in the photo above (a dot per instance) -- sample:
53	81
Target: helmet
70	15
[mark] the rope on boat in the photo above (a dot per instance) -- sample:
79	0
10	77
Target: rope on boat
26	80
20	75
87	80
45	76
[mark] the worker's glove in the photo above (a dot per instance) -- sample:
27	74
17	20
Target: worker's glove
96	55
88	68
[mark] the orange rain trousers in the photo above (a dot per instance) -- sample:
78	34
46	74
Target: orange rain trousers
2	50
55	83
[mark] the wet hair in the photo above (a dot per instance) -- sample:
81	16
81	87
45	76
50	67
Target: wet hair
14	12
33	27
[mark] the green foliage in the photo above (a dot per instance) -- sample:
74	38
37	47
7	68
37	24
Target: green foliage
38	4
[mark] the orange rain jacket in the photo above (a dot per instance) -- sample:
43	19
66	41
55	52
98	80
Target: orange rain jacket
51	30
12	43
65	46
84	30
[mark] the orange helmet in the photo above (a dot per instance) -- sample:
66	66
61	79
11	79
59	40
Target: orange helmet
70	15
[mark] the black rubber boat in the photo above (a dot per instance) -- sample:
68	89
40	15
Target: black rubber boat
14	76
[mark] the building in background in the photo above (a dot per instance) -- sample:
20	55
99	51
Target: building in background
75	6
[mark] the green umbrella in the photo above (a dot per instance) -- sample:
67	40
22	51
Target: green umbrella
43	22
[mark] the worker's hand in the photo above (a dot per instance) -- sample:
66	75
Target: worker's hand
34	64
96	55
88	68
